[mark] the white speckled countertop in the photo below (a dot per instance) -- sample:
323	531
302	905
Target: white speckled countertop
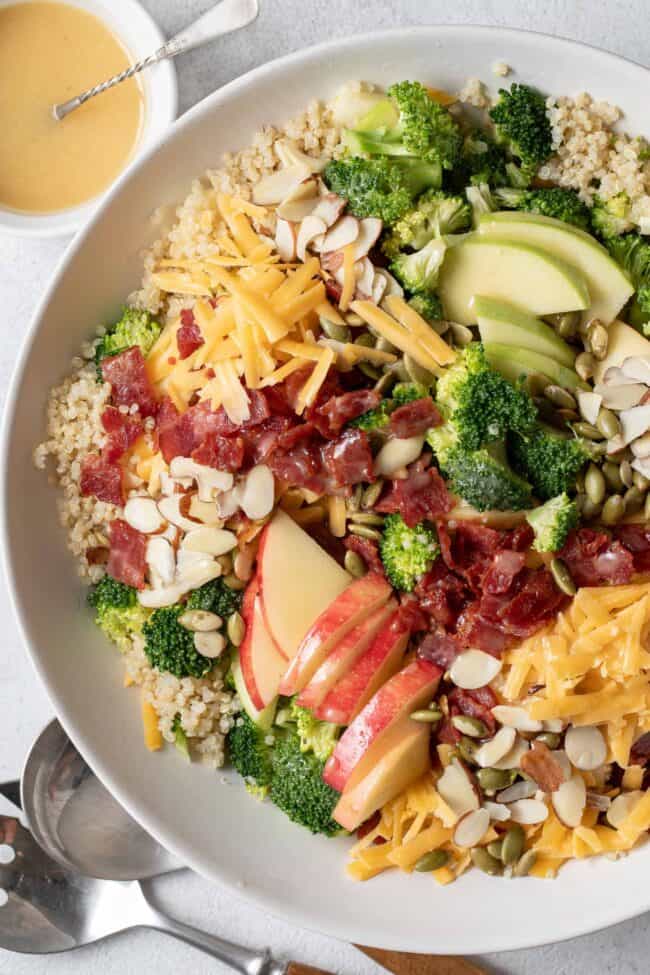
25	265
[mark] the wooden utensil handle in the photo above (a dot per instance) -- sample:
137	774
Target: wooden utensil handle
403	963
296	969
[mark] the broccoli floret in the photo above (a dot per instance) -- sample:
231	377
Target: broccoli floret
428	305
407	553
481	405
408	392
169	646
482	477
117	611
611	218
632	252
380	416
384	188
414	125
135	327
315	736
419	271
434	215
523	126
482	160
550	461
215	597
180	738
554	202
250	752
297	786
481	201
552	522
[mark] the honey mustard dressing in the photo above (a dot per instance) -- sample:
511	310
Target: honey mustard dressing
49	52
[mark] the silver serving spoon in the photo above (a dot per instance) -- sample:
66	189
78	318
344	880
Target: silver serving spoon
224	18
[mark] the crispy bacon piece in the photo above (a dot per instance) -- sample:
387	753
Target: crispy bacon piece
367	549
123	430
469	550
181	433
636	539
421	495
339	410
129	381
505	566
188	336
440	648
593	559
348	459
474	630
640	751
222	453
411	612
262	440
126	561
542	767
442	594
414	418
475	704
101	478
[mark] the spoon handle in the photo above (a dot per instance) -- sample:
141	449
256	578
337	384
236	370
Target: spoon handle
223	18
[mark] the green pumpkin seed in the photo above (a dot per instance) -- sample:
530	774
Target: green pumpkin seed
597	339
608	424
232	582
364	531
595	484
370	496
580	483
427	716
567	324
225	561
633	499
495	849
486	862
469	726
612	475
585	365
525	865
495	779
385	382
627	474
354	502
562	576
368	370
335	331
384	345
568	416
513	845
355	564
550	739
546	410
366	518
560	397
236	629
613	510
365	339
462	335
588	430
440	325
589	510
646	510
536	383
432	861
640	482
416	372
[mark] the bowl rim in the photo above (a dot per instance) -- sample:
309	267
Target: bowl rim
301	915
161	108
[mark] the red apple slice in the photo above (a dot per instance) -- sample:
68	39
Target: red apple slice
262	666
344	655
298	581
404	761
361	598
381	660
382	718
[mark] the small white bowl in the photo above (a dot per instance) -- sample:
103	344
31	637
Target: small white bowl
141	36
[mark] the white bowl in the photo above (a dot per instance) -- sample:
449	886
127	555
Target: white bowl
140	34
218	829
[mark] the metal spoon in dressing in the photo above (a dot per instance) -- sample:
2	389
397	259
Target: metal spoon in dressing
224	18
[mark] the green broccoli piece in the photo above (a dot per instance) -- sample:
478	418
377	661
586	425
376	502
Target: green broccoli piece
117	611
611	218
379	417
522	125
408	392
135	327
251	753
554	202
481	201
407	553
215	597
180	738
169	646
481	405
550	461
632	252
384	188
434	215
639	312
482	160
414	125
297	786
315	736
552	522
419	271
428	305
482	478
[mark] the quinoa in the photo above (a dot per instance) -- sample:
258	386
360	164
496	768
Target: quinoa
475	93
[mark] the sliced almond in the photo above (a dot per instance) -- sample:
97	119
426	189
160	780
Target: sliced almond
589	404
642	465
204	511
498	812
397	453
296	210
393	287
528	812
471	828
618	397
637	367
309	228
524	789
515	717
276	186
621	807
556	725
228	502
170	509
209	541
210	645
369	231
142	513
210	481
641	446
614	376
458	789
562	760
202	572
634	423
474	668
286	236
569	801
596	801
365	273
329	208
345	231
200	620
379	286
317	243
514	756
496	748
161	561
258	494
585	747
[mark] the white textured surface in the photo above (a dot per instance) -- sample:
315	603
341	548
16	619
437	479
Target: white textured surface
283	26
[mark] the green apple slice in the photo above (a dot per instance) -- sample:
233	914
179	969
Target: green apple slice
609	286
501	322
513	362
511	271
